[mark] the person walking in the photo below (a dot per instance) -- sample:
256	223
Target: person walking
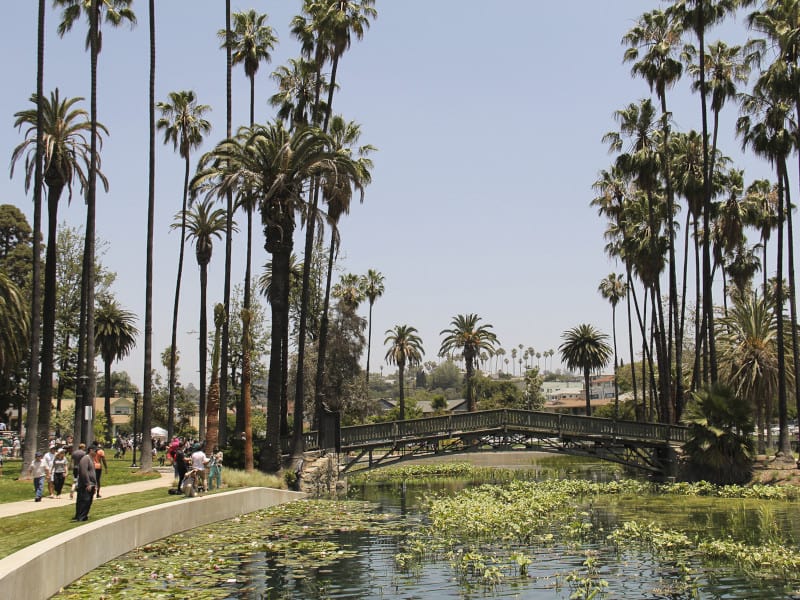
59	471
99	464
86	484
76	457
48	460
38	471
199	462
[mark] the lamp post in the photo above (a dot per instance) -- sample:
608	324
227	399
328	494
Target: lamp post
135	416
84	405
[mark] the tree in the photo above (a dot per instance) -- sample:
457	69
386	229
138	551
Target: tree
466	336
115	336
613	288
585	348
66	157
14	325
405	349
372	286
183	124
203	224
115	12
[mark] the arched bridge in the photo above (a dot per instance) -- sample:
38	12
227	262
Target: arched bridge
647	446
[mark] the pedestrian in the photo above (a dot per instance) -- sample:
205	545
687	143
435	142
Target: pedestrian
38	471
59	471
48	459
215	469
86	485
15	449
199	462
99	464
76	457
179	463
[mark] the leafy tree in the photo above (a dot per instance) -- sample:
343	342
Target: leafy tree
470	338
183	124
15	246
115	336
497	394
585	348
613	288
405	349
445	375
14	325
534	398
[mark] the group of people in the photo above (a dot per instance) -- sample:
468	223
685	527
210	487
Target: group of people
87	469
187	456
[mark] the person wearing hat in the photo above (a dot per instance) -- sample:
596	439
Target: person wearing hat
199	462
38	471
86	485
48	459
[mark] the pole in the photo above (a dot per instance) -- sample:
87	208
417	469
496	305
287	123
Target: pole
135	417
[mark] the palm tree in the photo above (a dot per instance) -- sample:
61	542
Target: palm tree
147	396
203	224
183	124
116	12
115	336
613	288
229	208
748	337
275	165
406	349
470	338
513	360
251	41
763	127
372	285
66	157
247	317
585	348
14	325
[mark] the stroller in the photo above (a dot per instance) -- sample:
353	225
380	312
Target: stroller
192	483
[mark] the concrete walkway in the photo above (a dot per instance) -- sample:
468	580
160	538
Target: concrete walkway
9	509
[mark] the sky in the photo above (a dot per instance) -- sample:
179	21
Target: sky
488	118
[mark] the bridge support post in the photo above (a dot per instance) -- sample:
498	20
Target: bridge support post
668	459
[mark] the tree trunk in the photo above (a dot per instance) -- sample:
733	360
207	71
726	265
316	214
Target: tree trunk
146	460
588	395
107	402
203	349
401	371
246	375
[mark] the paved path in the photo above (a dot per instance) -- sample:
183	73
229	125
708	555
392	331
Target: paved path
9	509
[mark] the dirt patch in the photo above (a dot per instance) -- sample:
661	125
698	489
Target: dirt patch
776	471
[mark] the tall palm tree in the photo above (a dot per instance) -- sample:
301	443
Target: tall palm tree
613	288
372	285
203	224
115	12
763	127
763	198
183	124
470	338
115	336
66	157
229	208
147	395
654	43
585	348
32	415
338	194
406	349
251	43
275	165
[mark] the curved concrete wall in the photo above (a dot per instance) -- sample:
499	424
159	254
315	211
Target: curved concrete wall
41	570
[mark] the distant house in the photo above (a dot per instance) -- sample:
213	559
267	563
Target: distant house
453	406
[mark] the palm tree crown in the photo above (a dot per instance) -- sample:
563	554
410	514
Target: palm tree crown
405	349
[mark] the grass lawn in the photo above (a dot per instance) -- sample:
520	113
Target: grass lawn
26	529
12	489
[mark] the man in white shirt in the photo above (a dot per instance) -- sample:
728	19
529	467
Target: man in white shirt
48	460
199	461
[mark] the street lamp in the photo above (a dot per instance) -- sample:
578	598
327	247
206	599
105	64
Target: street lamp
135	416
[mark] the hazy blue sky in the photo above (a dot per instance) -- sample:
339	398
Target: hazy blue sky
488	117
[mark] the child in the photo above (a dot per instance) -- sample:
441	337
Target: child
38	471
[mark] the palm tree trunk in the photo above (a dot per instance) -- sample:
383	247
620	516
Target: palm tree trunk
48	320
107	403
246	375
586	386
630	344
147	395
401	372
32	416
323	334
203	347
471	404
792	292
784	447
174	343
369	344
614	335
223	387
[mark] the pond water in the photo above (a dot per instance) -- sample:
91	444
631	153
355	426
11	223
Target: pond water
354	549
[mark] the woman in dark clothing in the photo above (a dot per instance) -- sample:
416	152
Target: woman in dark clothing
180	465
